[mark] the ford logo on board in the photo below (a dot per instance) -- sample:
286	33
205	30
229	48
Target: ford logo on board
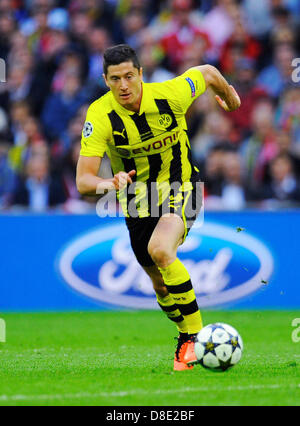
224	266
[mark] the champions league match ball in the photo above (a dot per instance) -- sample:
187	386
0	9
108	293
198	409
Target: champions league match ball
218	347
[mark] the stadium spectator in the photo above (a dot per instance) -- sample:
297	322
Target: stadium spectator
213	170
18	45
99	40
277	77
163	22
221	18
281	16
258	17
260	147
62	106
36	188
80	24
126	6
102	12
287	116
53	52
45	68
7	176
239	45
28	137
150	57
232	190
7	29
217	129
284	146
18	83
234	193
194	54
70	63
69	170
181	34
132	26
249	92
283	186
71	133
19	113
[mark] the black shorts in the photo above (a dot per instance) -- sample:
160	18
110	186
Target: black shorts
187	206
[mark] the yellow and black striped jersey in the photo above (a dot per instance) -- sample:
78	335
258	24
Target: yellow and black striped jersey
153	142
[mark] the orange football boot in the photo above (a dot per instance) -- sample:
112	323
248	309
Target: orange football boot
189	355
182	345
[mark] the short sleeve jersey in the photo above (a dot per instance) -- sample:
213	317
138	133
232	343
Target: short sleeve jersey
154	141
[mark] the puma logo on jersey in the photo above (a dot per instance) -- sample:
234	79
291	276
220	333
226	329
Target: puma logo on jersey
115	132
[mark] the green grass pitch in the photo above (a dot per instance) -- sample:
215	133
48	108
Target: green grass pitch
126	358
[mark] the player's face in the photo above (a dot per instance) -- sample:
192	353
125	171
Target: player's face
125	82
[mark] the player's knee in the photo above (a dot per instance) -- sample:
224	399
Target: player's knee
160	255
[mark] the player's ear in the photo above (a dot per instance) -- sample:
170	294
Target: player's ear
141	73
105	79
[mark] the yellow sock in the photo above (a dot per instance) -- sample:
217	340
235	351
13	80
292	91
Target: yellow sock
168	305
178	283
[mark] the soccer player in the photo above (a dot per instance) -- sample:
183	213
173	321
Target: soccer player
142	128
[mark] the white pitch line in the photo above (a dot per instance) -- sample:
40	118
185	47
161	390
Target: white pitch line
80	395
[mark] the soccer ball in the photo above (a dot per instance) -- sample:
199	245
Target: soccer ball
218	347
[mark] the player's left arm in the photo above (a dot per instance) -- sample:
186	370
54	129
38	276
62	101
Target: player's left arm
225	94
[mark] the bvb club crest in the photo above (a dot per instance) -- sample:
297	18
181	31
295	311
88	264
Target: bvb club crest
165	120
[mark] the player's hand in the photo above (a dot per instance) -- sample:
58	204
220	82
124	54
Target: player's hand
122	179
232	103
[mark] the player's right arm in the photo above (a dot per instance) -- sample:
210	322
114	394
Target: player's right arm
87	180
95	135
89	183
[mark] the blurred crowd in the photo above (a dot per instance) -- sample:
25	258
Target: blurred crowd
53	52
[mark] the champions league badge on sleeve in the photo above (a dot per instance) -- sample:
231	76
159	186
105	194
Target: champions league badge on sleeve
87	129
191	83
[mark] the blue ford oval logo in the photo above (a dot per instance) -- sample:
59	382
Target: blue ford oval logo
224	266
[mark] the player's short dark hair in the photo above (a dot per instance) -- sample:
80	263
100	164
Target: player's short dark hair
117	54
